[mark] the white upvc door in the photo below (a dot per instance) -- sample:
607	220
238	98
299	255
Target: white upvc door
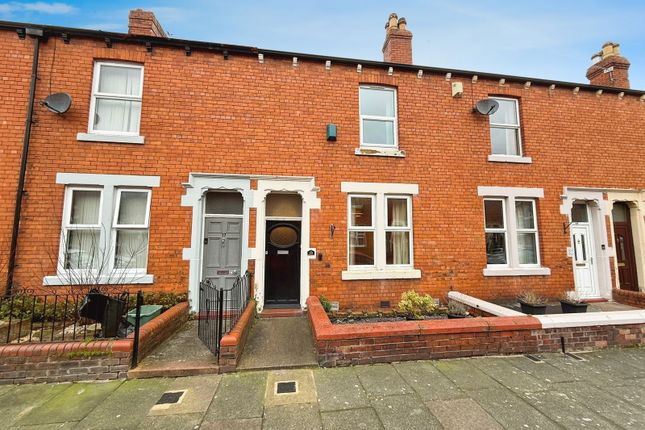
583	261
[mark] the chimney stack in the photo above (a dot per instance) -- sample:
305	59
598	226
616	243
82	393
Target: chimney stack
609	68
398	41
144	23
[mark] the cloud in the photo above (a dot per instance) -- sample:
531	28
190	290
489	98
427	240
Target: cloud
37	7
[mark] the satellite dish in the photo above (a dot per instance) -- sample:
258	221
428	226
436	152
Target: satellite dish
58	102
486	106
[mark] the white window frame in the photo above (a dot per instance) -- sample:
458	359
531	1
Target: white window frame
408	228
510	195
67	222
533	230
498	230
393	119
358	229
517	127
96	94
116	227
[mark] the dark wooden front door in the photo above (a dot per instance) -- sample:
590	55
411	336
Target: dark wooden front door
282	263
625	260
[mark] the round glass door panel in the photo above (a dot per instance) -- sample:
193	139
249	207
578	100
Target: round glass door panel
283	236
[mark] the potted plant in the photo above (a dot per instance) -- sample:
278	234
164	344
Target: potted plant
532	303
571	303
456	310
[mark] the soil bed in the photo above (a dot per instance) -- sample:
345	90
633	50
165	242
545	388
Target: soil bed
379	319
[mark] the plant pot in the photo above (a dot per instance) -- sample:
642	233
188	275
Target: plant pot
529	308
573	308
456	316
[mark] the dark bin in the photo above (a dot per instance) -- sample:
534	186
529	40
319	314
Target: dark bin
104	309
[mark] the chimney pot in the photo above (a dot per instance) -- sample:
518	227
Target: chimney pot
144	23
397	47
609	68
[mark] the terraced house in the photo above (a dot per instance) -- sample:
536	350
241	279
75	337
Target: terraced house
180	160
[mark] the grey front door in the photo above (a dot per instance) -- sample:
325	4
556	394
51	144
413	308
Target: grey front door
222	250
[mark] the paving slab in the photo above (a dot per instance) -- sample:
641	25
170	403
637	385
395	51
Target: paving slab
629	356
382	380
25	398
4	389
240	424
339	388
305	387
460	414
428	382
239	395
404	412
172	422
126	407
544	371
593	372
364	419
292	417
566	410
508	375
278	343
199	392
511	411
72	404
465	375
634	392
55	426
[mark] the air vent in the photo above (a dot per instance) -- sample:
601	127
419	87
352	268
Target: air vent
384	304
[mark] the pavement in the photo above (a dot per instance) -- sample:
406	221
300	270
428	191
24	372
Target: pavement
606	390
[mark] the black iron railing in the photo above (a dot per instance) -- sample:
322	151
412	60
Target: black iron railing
27	316
220	308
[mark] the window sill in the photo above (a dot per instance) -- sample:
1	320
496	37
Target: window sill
380	152
350	275
104	280
519	271
109	138
500	158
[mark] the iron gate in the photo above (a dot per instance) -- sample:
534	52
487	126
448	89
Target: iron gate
220	309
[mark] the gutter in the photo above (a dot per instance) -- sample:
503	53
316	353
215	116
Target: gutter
225	49
36	35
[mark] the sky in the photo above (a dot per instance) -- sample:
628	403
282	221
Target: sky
546	39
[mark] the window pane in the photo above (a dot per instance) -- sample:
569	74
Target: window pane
124	81
397	212
504	141
224	203
526	247
285	205
378	132
494	213
82	250
620	212
361	212
506	114
131	249
117	115
361	248
377	102
397	247
132	210
524	214
495	248
579	213
85	207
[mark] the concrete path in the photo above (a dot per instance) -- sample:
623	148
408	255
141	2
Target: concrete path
278	343
606	391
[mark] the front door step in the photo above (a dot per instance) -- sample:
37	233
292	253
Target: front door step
281	312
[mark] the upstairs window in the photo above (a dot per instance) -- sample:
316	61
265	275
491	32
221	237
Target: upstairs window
378	116
505	128
116	99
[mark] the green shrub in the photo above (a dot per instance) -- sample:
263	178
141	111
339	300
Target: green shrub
531	298
415	305
35	308
165	299
326	304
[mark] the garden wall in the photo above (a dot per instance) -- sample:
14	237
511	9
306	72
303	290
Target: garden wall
82	361
631	298
232	344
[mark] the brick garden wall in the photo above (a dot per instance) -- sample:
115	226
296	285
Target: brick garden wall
590	338
232	344
631	298
270	119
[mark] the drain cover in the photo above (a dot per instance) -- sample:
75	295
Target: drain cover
170	397
285	387
574	356
534	358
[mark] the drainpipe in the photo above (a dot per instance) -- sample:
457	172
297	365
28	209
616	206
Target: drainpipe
36	34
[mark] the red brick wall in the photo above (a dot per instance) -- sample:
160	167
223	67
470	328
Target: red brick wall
631	298
206	114
232	344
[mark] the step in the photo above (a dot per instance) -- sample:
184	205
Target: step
281	313
174	370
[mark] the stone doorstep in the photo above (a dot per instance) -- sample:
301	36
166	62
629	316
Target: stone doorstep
185	369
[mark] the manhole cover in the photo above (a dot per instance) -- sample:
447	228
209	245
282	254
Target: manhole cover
285	387
170	397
